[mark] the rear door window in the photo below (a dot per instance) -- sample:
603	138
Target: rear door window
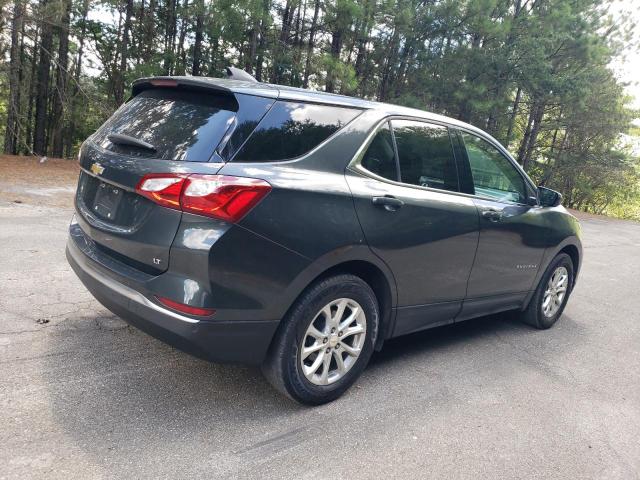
180	125
292	129
425	155
380	157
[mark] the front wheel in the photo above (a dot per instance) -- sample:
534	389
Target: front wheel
552	293
326	340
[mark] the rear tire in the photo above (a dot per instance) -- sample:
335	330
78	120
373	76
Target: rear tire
551	295
325	341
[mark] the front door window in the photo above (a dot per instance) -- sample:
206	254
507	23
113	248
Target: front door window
493	174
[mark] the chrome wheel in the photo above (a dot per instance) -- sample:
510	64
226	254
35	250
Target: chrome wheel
333	341
555	292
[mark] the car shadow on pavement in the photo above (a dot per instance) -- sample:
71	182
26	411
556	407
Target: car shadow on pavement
122	386
448	335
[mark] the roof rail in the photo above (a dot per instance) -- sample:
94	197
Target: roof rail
237	74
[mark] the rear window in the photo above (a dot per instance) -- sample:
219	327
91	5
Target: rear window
180	125
291	129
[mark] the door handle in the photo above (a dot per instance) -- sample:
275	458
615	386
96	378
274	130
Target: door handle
492	215
389	202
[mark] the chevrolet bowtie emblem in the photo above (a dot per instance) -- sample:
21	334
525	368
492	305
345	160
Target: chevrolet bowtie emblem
97	169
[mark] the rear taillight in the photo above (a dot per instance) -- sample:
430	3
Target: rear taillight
218	196
164	189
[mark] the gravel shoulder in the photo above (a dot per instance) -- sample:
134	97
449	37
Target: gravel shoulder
33	181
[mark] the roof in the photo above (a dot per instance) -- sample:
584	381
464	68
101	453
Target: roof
292	93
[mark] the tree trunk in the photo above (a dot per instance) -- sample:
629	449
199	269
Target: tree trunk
199	35
149	30
43	75
266	6
388	66
32	89
181	68
287	15
527	134
336	47
170	37
537	123
297	45
512	118
76	79
60	97
12	133
118	90
253	48
312	33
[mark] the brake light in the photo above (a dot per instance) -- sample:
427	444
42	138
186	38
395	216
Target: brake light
164	189
181	307
219	196
164	82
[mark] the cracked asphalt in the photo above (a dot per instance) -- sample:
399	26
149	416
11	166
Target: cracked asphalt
82	395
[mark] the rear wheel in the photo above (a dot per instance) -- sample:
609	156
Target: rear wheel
552	293
326	340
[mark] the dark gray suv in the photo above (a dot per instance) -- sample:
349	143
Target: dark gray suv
297	230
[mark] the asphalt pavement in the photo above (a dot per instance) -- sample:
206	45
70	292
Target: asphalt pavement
83	395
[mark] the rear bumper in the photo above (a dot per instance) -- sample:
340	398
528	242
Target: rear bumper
233	341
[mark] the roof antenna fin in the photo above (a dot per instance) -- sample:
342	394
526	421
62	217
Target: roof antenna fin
234	73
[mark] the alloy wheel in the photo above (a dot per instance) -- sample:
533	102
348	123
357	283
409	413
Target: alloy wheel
555	292
333	341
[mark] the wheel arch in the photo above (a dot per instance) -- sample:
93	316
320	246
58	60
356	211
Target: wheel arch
378	282
572	246
574	254
358	261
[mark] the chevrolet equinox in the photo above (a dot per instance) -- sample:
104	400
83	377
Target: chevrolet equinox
255	223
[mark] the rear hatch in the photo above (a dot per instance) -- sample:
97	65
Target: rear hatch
160	130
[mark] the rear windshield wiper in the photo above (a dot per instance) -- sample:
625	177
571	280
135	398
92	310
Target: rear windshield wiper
120	139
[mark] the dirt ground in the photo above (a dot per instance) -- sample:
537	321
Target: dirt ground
28	180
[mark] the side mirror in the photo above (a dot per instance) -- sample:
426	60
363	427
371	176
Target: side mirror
548	197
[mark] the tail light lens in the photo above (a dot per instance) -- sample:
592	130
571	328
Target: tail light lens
162	188
219	196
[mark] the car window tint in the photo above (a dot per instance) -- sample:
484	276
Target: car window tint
494	176
380	157
291	129
250	111
181	125
425	155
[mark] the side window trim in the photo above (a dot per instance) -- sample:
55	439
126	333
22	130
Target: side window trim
465	178
395	151
525	180
455	157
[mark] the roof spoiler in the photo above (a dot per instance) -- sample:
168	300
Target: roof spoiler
234	73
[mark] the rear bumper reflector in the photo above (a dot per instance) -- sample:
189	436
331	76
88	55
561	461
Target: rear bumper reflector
183	308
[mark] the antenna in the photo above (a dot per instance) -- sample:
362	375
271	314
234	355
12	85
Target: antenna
237	74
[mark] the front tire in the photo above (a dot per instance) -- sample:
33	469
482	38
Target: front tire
551	295
325	341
